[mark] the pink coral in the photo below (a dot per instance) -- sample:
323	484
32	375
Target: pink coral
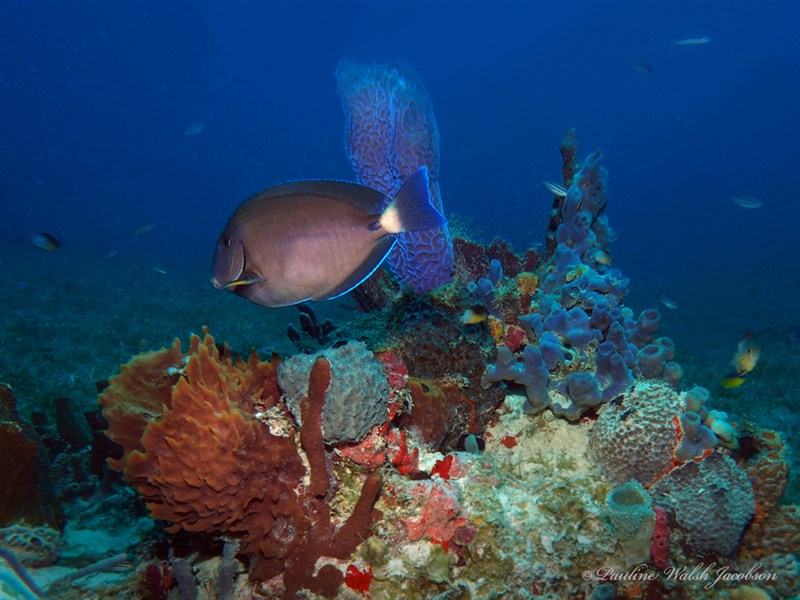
659	548
441	516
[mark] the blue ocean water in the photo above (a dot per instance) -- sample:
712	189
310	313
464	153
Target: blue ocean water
96	97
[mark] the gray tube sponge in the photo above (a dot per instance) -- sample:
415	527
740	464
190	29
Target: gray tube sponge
668	345
583	389
652	361
695	399
697	438
673	373
717	421
646	326
630	510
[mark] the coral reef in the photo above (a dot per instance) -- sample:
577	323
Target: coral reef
392	132
205	462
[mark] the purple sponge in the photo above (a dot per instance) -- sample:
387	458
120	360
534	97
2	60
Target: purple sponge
652	360
391	132
697	438
531	373
613	376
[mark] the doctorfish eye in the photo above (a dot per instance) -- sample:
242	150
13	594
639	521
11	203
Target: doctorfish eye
225	242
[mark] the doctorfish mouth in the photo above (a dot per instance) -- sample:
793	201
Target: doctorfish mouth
237	282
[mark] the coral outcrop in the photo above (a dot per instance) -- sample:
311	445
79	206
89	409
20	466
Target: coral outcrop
712	501
633	437
219	453
33	546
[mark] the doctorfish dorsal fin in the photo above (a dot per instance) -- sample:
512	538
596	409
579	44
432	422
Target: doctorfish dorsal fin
369	200
364	270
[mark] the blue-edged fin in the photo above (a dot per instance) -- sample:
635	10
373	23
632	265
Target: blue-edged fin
365	269
411	208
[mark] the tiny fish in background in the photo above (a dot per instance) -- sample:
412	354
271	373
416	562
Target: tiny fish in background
744	361
555	188
474	315
747	202
145	228
158	270
693	41
602	257
642	67
195	129
45	241
669	303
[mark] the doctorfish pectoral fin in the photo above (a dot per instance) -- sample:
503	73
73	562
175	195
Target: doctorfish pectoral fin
411	209
381	250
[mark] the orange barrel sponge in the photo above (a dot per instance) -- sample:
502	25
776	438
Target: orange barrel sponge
218	452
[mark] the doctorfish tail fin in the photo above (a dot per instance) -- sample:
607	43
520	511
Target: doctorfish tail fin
411	208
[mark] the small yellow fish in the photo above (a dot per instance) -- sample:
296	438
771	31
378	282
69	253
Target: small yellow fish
473	316
744	361
733	381
45	241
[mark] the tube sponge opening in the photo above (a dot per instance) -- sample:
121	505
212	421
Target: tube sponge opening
652	361
646	326
630	510
696	398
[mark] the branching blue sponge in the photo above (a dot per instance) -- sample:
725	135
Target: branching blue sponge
531	373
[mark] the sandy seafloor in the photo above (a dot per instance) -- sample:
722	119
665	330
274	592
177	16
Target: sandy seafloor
70	317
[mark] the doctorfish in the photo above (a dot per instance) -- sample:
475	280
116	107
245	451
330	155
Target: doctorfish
316	240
